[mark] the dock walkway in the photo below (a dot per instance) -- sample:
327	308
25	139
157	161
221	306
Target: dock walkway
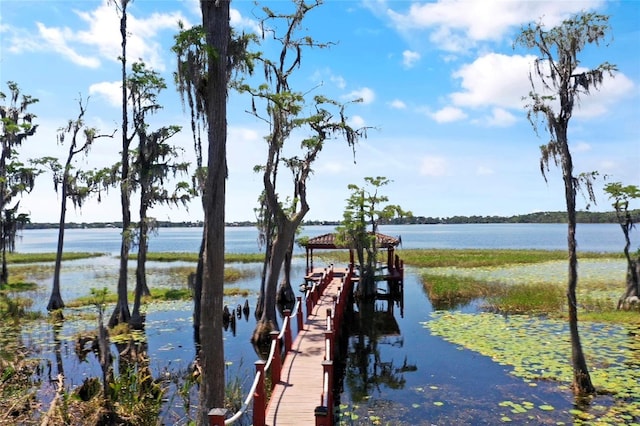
295	397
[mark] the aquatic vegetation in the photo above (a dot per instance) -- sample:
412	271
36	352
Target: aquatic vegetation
445	291
599	286
193	257
16	258
538	349
527	299
474	258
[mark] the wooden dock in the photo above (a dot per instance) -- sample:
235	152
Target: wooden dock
294	399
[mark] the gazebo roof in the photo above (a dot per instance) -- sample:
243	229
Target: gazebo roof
328	241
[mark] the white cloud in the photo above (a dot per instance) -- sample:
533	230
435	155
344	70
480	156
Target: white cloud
580	147
599	101
448	114
494	79
367	95
397	104
484	171
338	81
55	39
109	90
103	34
322	74
501	81
457	25
240	22
101	38
409	58
245	148
357	122
332	168
434	166
500	118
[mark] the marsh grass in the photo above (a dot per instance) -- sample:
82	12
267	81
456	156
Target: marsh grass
448	277
472	258
15	258
16	308
193	257
527	299
449	290
178	274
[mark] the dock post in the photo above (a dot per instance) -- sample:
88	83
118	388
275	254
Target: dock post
276	364
260	398
216	416
309	305
322	416
287	331
299	314
328	345
327	367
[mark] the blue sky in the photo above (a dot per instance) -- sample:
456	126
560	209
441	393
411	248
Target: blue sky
440	81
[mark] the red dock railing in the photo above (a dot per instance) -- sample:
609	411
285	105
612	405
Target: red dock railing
274	363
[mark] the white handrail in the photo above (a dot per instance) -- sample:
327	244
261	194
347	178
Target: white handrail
284	328
325	389
246	403
272	351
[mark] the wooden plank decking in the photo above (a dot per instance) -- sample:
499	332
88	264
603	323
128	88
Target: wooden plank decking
299	391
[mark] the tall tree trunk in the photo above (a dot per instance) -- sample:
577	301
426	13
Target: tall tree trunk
633	265
121	312
55	300
4	275
197	294
215	20
269	321
265	267
581	379
141	289
286	297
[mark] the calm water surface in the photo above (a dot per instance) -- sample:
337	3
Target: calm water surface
406	372
590	237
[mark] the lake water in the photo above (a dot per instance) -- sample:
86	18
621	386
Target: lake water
401	375
590	237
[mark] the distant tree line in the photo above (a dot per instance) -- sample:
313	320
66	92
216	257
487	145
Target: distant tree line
539	217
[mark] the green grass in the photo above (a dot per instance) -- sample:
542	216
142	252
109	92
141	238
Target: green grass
446	291
612	316
16	258
528	298
471	258
452	282
193	257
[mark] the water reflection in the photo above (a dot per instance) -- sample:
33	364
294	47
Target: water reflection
372	324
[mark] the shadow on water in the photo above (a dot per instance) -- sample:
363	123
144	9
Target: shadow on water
396	372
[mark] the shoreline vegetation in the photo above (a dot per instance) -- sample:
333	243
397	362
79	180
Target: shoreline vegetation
498	281
445	287
538	217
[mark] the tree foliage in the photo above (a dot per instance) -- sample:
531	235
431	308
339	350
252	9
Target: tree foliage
73	184
154	163
621	196
558	82
366	208
16	177
289	113
121	313
191	77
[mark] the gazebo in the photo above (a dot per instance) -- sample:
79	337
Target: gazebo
328	242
